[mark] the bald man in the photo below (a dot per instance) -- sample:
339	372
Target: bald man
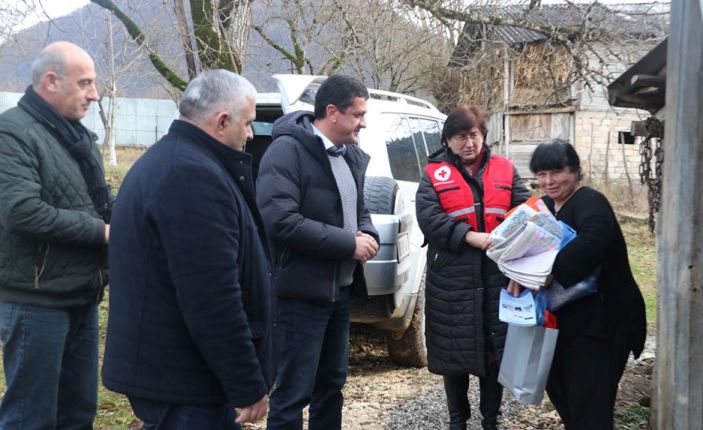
54	222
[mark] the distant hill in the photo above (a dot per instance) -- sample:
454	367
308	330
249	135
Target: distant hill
136	77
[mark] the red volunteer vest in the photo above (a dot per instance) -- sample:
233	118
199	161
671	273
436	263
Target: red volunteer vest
456	197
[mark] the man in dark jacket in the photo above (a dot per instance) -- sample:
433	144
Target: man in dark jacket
54	210
189	325
311	183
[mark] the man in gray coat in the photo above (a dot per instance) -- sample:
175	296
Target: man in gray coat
54	214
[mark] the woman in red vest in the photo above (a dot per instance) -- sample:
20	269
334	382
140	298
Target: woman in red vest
463	195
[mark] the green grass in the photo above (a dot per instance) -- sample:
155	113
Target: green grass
125	158
631	417
643	261
114	411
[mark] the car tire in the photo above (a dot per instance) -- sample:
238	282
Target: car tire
408	348
379	194
405	348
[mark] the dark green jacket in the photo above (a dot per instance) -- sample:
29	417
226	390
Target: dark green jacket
51	238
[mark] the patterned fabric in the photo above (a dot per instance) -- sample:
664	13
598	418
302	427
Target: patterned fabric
347	190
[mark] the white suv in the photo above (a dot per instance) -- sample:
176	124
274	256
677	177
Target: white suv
401	132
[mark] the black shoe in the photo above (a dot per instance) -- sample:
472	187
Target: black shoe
489	424
457	426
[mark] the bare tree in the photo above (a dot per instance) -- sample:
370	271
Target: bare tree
553	50
384	42
213	34
12	14
307	26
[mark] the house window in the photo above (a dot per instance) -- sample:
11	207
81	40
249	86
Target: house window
626	138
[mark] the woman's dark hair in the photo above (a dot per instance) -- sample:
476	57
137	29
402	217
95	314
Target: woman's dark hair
340	91
554	155
462	119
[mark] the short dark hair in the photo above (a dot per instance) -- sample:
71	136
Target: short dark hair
555	154
462	119
340	91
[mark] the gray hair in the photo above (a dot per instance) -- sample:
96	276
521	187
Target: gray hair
48	60
215	91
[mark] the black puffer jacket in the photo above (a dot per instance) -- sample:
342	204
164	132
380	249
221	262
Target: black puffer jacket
302	211
51	236
463	285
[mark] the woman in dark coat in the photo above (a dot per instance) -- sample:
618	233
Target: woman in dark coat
463	194
596	332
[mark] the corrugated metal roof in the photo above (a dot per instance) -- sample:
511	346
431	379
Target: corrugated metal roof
640	20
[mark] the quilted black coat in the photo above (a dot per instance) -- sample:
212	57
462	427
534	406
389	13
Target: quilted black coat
51	237
463	285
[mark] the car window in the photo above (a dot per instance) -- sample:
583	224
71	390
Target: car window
401	147
419	141
427	137
432	131
262	128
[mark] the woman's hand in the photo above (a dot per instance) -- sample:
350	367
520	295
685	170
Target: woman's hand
478	240
514	288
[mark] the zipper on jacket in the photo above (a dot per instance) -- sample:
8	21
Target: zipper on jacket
40	267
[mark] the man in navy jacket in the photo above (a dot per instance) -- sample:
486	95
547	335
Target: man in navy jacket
311	183
189	327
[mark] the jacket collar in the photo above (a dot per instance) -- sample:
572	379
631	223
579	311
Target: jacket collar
230	158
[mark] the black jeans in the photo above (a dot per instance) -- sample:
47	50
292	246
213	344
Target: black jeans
313	342
491	395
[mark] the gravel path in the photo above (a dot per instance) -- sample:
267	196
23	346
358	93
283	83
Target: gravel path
428	410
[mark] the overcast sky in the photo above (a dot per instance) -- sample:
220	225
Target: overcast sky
52	8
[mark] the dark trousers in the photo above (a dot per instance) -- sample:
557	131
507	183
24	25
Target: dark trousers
491	395
583	381
175	416
313	345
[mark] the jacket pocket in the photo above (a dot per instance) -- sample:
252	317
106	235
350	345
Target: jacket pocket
504	192
441	258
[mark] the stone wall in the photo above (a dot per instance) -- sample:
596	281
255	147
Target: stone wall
596	138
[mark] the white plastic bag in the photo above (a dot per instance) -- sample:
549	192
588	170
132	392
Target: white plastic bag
527	358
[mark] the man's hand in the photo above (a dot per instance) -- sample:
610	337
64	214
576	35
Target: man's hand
366	247
478	240
253	412
107	233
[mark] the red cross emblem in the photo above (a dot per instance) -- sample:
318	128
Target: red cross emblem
442	174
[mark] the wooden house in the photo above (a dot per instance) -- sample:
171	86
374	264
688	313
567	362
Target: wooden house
540	85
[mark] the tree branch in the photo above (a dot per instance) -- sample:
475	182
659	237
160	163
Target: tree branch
136	33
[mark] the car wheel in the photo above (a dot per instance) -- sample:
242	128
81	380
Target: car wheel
379	194
407	348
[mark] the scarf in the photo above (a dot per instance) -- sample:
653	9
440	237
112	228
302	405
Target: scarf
79	143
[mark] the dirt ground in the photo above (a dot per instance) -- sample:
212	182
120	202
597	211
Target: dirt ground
375	386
